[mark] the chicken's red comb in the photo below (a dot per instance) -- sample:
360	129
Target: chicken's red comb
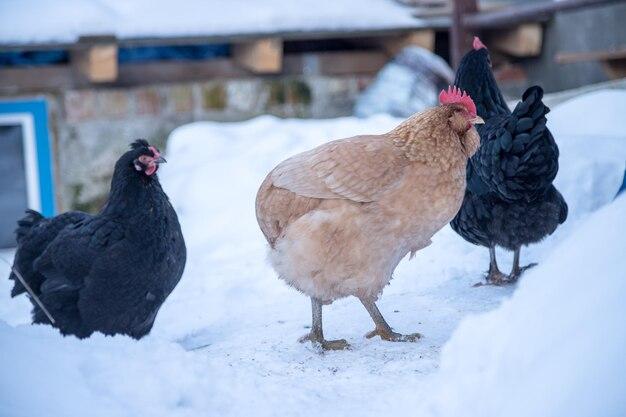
478	44
456	96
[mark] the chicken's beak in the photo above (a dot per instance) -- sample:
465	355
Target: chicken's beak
160	160
478	121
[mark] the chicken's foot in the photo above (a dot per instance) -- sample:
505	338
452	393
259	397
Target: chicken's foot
316	335
494	276
382	327
517	271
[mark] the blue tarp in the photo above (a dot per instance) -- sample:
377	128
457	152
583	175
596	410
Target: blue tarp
136	54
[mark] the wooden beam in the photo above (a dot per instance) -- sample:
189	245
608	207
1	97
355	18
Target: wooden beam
261	56
95	59
460	37
524	40
613	62
157	72
50	77
335	63
60	77
423	38
572	57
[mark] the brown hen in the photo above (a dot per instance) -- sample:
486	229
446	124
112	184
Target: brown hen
340	217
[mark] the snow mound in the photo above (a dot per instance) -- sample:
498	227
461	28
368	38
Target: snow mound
598	113
556	348
591	133
47	375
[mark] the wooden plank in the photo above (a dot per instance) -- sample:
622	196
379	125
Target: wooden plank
95	59
156	72
572	57
19	80
524	40
59	77
423	38
261	56
460	37
335	63
613	62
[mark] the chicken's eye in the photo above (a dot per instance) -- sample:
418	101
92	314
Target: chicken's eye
145	159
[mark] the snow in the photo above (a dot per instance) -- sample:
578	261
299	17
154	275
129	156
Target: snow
556	348
225	342
65	20
576	117
590	130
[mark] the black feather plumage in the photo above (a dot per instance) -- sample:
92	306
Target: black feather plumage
510	200
109	272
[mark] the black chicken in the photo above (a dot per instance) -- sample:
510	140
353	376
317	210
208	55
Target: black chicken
510	200
109	272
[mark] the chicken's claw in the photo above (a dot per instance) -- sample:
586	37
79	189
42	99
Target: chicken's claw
516	274
392	336
495	277
339	344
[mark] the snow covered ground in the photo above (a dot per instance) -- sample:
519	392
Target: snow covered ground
21	22
225	342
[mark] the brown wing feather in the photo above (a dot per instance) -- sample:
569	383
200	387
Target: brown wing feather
359	169
277	207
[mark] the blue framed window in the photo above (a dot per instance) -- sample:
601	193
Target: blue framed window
26	178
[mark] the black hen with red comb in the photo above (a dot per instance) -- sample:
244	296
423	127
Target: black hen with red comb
510	200
109	272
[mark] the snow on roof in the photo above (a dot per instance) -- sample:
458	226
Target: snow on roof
63	21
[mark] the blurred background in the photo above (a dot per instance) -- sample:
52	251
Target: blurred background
79	79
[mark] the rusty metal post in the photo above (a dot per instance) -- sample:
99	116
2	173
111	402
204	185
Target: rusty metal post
460	38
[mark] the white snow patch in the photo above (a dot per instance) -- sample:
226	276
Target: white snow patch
598	113
25	21
556	348
225	342
591	132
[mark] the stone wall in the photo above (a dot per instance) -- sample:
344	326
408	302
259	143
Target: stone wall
92	127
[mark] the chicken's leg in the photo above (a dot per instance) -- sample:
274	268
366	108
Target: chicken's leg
494	276
516	271
382	328
316	335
